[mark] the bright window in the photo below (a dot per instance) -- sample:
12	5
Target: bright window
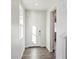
34	34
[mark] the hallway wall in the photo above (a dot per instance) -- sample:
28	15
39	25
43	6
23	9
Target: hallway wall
17	44
61	26
61	29
48	31
38	19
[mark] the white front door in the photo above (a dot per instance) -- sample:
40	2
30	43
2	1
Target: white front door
36	40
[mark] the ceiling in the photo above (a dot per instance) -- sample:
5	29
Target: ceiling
37	4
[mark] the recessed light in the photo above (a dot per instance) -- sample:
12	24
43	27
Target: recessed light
35	0
36	4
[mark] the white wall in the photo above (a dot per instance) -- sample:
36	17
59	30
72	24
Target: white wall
48	31
38	19
17	44
61	26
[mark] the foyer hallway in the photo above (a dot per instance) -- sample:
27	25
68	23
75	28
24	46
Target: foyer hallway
37	53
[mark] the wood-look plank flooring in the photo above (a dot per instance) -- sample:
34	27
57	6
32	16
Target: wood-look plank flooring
37	53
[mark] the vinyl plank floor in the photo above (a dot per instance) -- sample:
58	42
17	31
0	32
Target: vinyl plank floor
37	53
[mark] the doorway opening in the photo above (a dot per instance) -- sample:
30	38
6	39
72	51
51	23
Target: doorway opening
54	33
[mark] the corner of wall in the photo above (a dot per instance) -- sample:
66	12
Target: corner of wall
22	52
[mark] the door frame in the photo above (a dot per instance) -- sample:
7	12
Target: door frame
52	33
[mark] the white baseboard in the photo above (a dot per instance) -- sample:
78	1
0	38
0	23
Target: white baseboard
47	49
22	52
50	50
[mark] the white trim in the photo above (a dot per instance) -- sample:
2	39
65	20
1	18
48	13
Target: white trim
22	52
48	49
